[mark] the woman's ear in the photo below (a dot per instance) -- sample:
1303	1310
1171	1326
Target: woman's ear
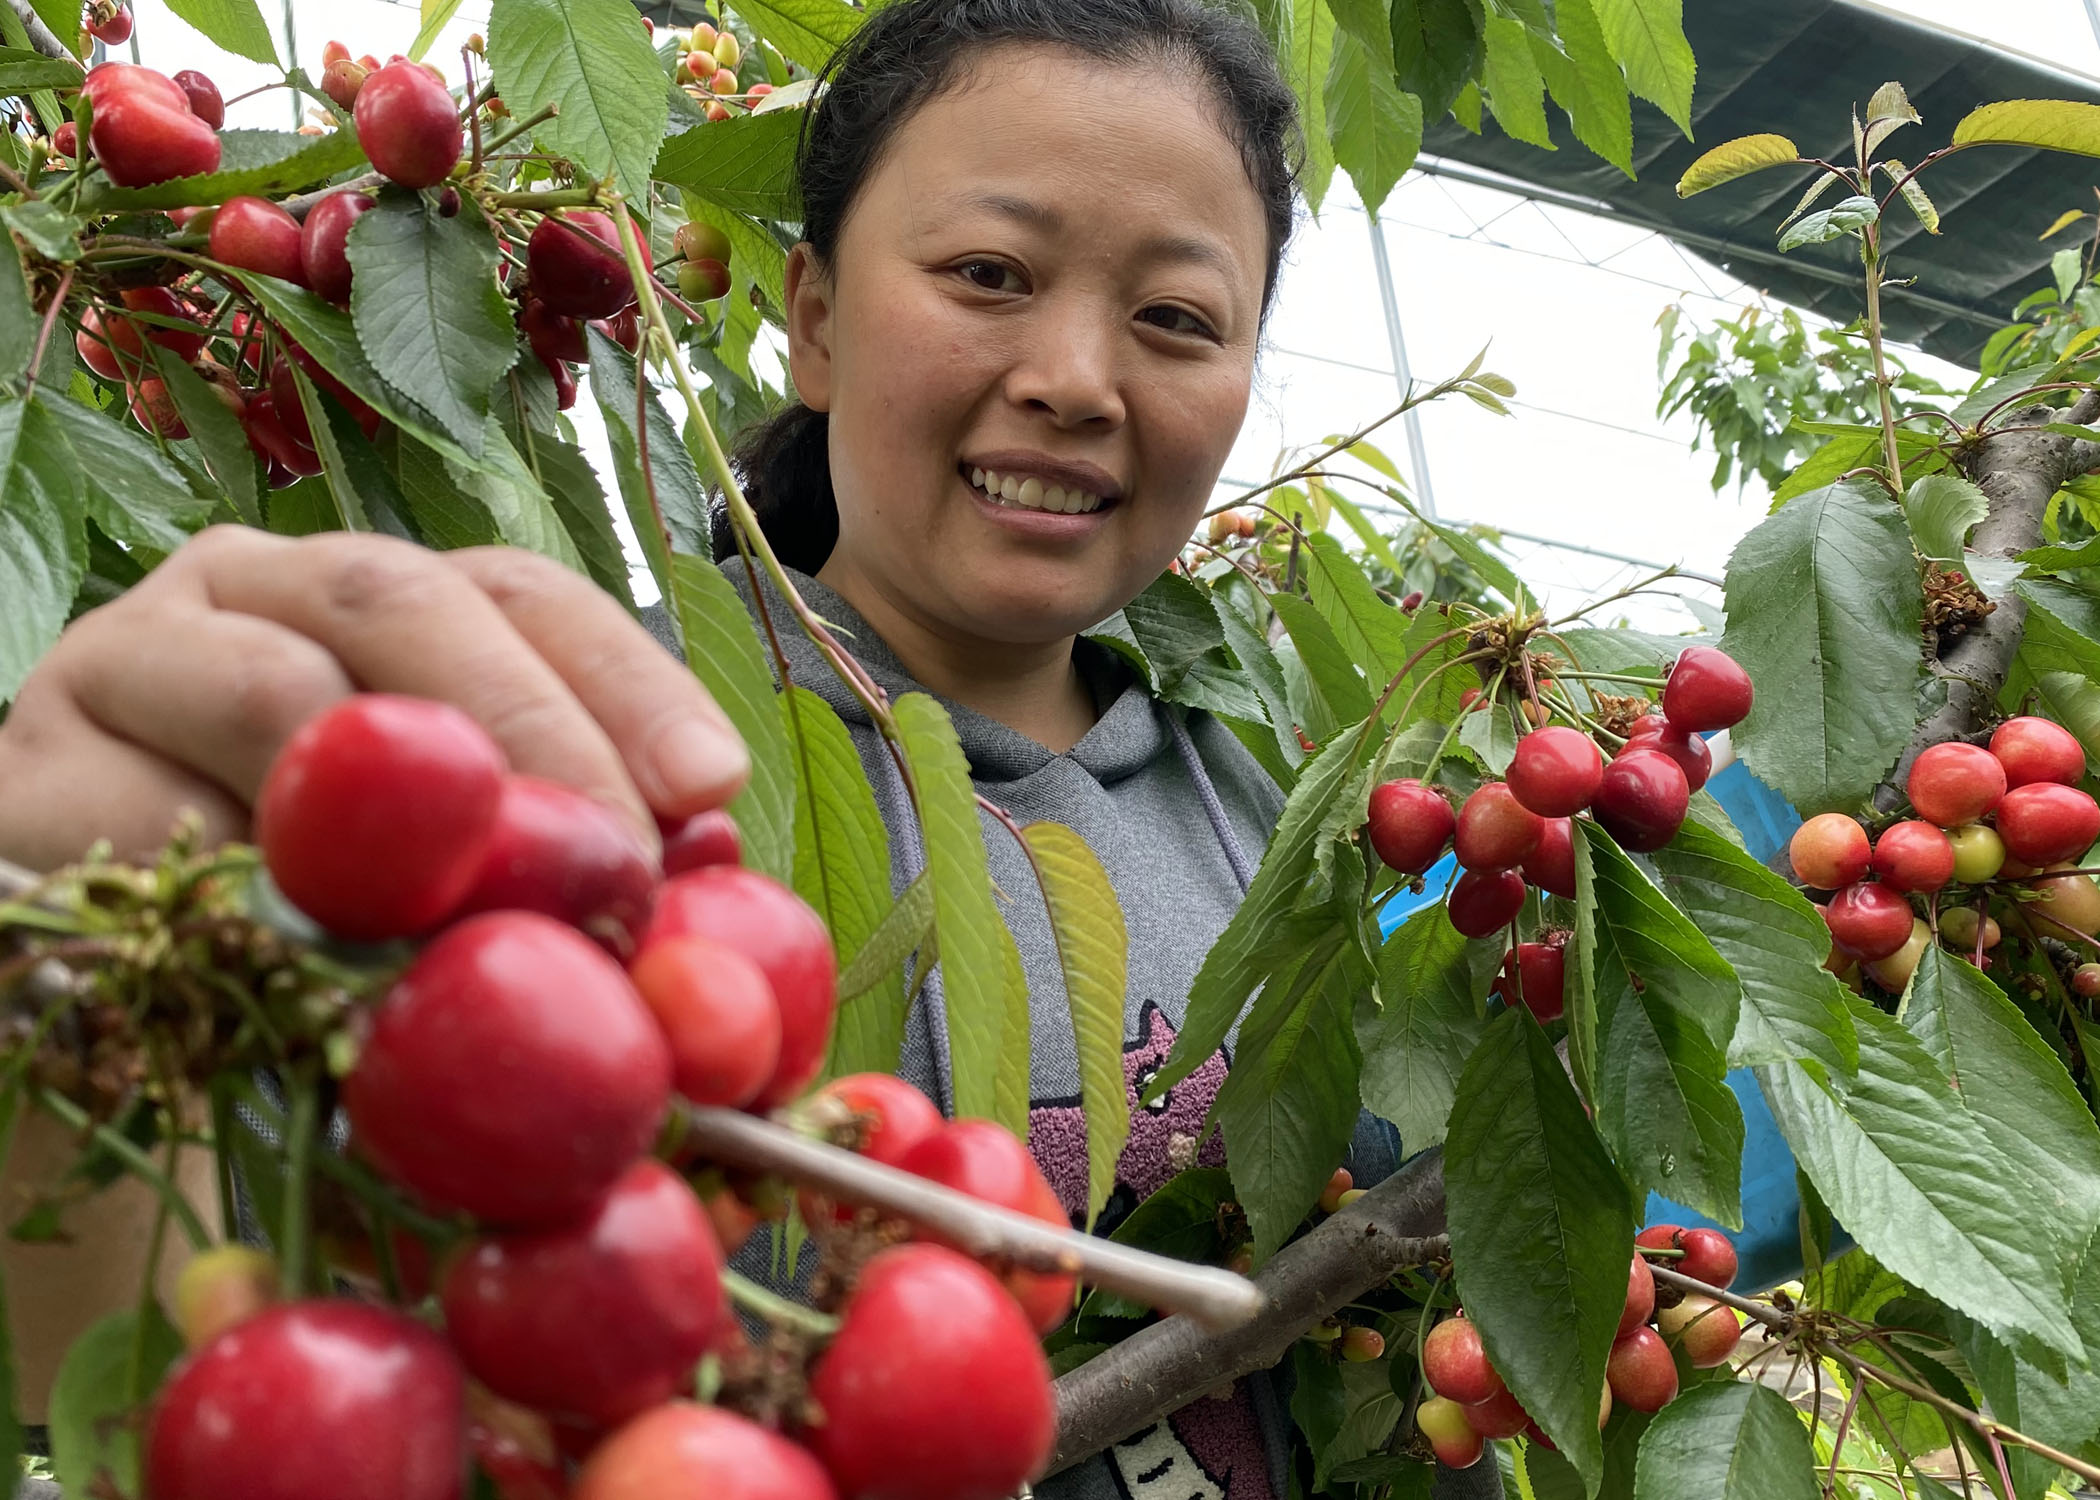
808	291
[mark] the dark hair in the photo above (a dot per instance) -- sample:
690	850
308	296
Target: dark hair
906	54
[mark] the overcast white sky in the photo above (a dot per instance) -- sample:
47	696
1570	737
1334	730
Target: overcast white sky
1568	303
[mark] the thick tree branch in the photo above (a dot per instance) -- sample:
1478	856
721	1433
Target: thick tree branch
40	36
1164	1367
2018	471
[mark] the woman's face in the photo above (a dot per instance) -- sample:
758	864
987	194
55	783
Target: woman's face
1050	283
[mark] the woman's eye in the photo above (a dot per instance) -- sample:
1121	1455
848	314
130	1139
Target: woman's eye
990	275
1177	320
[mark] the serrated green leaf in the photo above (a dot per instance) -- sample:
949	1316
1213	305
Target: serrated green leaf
1375	128
591	61
1647	37
1250	648
265	163
1371	630
1540	1220
2052	124
904	929
1516	92
579	502
105	1378
723	649
1305	59
1823	613
365	492
18	318
2073	701
43	536
1421	1024
510	492
132	492
1491	736
442	516
666	498
745	164
1437	47
2063	1413
1729	1440
437	15
236	26
806	31
427	310
973	968
1586	82
1942	508
217	434
1336	693
1846	216
1913	1178
26	74
1737	158
1010	1084
1093	954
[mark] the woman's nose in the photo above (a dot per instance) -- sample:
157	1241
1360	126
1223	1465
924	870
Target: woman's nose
1069	366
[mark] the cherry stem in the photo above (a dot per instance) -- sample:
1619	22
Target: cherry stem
43	335
1771	1317
776	1309
137	1162
2041	875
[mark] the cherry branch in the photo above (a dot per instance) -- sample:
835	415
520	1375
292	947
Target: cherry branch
40	36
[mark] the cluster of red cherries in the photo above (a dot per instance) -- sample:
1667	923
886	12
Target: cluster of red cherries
519	1073
1987	818
1517	833
1470	1403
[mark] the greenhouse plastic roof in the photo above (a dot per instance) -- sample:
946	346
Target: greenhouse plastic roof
1792	67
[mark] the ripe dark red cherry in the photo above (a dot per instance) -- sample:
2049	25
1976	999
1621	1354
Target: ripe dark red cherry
1868	921
704	839
114	28
1536	974
254	234
718	1014
324	244
1641	1372
2033	749
991	1164
1456	1366
556	851
682	1448
312	1398
143	130
576	265
375	815
1495	830
1955	783
570	1073
408	125
1556	771
1687	749
2043	822
599	1319
274	441
893	1117
1914	856
1830	851
1485	901
1409	824
935	1387
1709	1256
1706	690
205	101
552	336
1551	866
1642	800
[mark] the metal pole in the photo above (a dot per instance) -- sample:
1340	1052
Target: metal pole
1417	451
2092	16
291	52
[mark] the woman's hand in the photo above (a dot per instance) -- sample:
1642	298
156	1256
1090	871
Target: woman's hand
179	693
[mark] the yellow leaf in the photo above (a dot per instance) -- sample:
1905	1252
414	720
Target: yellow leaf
2053	124
1737	158
2068	217
1891	103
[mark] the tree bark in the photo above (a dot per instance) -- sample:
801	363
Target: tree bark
1164	1367
40	36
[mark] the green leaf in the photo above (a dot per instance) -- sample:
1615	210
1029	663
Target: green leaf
2052	124
1914	1179
442	516
1288	1103
1490	735
904	929
1437	47
2062	1413
806	31
43	536
572	488
1846	216
1516	91
1647	37
1373	631
25	75
217	433
511	493
745	164
1728	1440
427	310
1792	1007
1823	613
1338	694
1305	61
1913	192
1180	648
236	26
1586	82
667	494
2015	1084
1737	158
437	15
1540	1220
1421	1024
1942	508
18	318
591	61
51	231
723	649
266	163
2074	702
1179	1221
1265	675
1092	952
1376	129
966	922
132	492
107	1375
1666	1009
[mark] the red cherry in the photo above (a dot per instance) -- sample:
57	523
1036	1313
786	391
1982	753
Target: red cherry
205	101
143	130
570	1073
1551	866
564	387
704	839
1687	749
1640	1297
577	266
1452	1436
556	851
254	234
408	125
116	350
1409	824
2033	749
114	29
895	1118
366	418
1706	1330
1709	1256
1642	800
1641	1372
1914	856
601	1318
1830	851
273	441
1868	921
623	327
1659	1237
154	409
1499	1416
989	1163
2043	823
342	81
312	1398
1952	784
112	349
1485	901
552	336
1555	771
66	139
1536	973
1495	830
934	1388
375	815
684	1449
1706	690
773	927
1456	1366
324	244
718	1014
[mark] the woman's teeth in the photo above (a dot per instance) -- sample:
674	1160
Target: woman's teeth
1033	494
